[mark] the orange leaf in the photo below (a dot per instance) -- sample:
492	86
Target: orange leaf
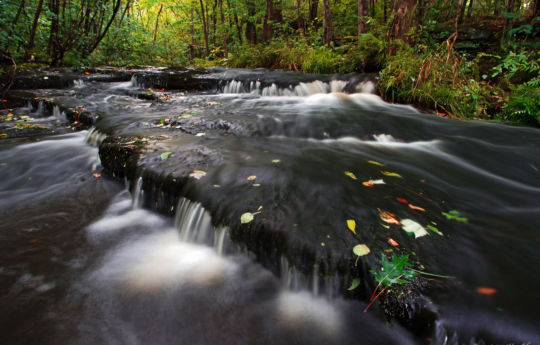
389	218
368	184
96	175
418	208
86	73
392	242
484	290
4	100
401	200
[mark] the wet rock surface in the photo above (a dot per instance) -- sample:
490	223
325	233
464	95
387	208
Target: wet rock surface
303	166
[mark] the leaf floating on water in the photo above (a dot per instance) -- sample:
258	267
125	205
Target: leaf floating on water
389	218
376	163
391	174
351	224
454	215
165	155
276	160
355	283
401	200
246	218
417	208
371	183
351	175
484	290
434	229
412	226
252	178
197	174
361	250
392	242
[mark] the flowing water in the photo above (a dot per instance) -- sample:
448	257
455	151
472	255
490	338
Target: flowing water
86	260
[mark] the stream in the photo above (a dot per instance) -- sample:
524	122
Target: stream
164	258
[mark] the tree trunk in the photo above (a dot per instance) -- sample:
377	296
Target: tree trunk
508	22
299	18
402	20
31	39
251	30
313	10
328	28
469	10
362	12
536	9
205	28
156	27
461	10
223	29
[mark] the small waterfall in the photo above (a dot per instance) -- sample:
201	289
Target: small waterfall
337	85
308	89
134	82
79	83
193	222
40	111
95	137
59	115
219	239
137	193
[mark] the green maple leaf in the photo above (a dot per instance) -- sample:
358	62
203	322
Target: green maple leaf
394	271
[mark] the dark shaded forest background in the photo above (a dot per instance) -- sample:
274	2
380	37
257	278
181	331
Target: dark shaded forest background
474	59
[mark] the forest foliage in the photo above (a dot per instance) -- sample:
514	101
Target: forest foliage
461	58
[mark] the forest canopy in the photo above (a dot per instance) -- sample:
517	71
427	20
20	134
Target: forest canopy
463	58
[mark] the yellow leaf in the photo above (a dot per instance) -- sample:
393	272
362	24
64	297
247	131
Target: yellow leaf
351	175
376	163
388	173
351	224
361	250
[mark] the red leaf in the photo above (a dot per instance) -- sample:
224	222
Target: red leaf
368	184
418	208
401	200
389	218
484	290
392	242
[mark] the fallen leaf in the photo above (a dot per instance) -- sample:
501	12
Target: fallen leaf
361	250
392	242
368	184
200	134
256	185
376	163
484	290
351	175
351	224
252	178
165	155
355	283
246	217
389	218
276	161
412	226
391	174
434	229
454	214
96	175
197	174
418	208
401	200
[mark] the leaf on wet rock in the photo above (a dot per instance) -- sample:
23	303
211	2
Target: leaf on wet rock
413	227
392	242
376	163
389	218
246	218
361	250
351	224
355	283
276	160
417	208
485	290
454	215
165	155
197	174
351	175
200	134
391	174
371	183
434	229
252	178
401	200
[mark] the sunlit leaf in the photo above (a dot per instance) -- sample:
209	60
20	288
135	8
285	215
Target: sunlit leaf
351	175
376	163
413	227
434	229
391	174
389	218
165	155
355	283
417	208
351	224
361	250
197	174
246	218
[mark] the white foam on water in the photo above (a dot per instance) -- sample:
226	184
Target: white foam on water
301	310
160	261
114	223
